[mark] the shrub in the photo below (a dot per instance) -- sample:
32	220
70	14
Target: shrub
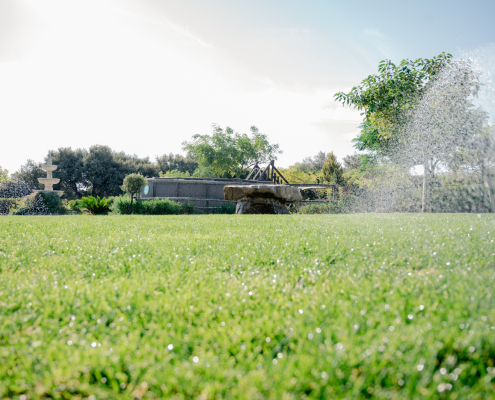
40	204
32	205
8	204
320	208
121	205
73	205
95	205
346	204
15	188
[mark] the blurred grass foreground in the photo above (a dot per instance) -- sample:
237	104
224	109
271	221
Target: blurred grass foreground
248	307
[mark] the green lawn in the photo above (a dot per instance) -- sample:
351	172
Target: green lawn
248	307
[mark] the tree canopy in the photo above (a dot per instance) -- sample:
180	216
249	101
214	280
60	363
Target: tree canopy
226	153
385	99
4	175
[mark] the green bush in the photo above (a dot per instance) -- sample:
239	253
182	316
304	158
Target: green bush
8	204
34	204
73	205
40	204
95	205
121	204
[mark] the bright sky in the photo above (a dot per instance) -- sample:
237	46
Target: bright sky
142	76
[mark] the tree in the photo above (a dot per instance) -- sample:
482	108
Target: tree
4	175
228	153
312	164
176	162
442	121
99	170
332	170
352	161
70	170
29	173
133	184
417	113
385	99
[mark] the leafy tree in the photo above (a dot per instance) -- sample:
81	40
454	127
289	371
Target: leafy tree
70	170
332	170
4	175
29	173
133	184
386	98
417	113
176	162
352	161
229	153
99	169
312	164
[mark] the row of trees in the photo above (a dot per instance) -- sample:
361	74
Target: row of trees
99	170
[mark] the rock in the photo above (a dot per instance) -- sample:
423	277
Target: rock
262	199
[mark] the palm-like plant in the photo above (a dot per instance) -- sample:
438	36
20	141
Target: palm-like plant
95	205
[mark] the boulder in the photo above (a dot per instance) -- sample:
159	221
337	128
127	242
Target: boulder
262	199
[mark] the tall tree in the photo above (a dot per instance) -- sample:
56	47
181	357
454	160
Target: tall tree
312	164
70	170
332	170
387	98
417	113
228	153
176	162
4	175
99	170
29	173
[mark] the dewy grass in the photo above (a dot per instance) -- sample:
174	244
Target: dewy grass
248	307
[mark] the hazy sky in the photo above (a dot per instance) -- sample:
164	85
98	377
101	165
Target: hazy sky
142	76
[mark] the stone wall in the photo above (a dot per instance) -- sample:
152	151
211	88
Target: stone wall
204	193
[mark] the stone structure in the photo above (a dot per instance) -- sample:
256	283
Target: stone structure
262	199
49	181
203	193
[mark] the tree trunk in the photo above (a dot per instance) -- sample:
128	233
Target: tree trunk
423	202
130	204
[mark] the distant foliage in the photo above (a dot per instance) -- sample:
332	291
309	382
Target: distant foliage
29	173
95	205
14	188
176	162
4	175
332	171
174	174
311	164
121	205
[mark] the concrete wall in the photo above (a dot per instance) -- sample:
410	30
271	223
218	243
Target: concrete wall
203	193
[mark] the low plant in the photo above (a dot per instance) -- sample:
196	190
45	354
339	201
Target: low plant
320	208
122	204
95	205
73	206
8	204
33	204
